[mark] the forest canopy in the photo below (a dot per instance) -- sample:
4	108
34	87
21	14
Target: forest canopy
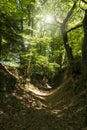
43	36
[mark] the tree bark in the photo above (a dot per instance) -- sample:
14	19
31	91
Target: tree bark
66	45
0	46
65	37
30	9
21	25
84	45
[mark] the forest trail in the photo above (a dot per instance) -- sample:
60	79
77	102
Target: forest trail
25	107
33	109
35	90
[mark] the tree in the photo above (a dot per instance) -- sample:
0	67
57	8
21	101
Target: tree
26	32
9	27
84	45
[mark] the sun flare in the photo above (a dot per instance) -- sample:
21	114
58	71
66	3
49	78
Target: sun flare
48	18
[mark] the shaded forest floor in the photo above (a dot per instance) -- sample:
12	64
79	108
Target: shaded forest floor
28	108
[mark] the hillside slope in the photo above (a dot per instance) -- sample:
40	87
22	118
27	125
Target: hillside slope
27	108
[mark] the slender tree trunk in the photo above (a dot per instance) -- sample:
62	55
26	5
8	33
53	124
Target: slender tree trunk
32	23
21	24
66	45
29	18
84	46
0	46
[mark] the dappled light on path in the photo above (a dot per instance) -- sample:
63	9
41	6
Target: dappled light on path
28	108
35	90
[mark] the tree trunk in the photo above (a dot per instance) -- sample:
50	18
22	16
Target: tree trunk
29	17
30	9
84	46
21	25
65	37
66	45
0	46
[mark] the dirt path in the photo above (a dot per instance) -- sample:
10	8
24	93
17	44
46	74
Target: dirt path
25	107
32	109
36	91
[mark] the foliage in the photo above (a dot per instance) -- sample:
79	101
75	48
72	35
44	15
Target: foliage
36	59
43	67
10	40
75	43
37	45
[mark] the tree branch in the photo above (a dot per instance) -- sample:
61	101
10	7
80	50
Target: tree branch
75	27
84	1
69	13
